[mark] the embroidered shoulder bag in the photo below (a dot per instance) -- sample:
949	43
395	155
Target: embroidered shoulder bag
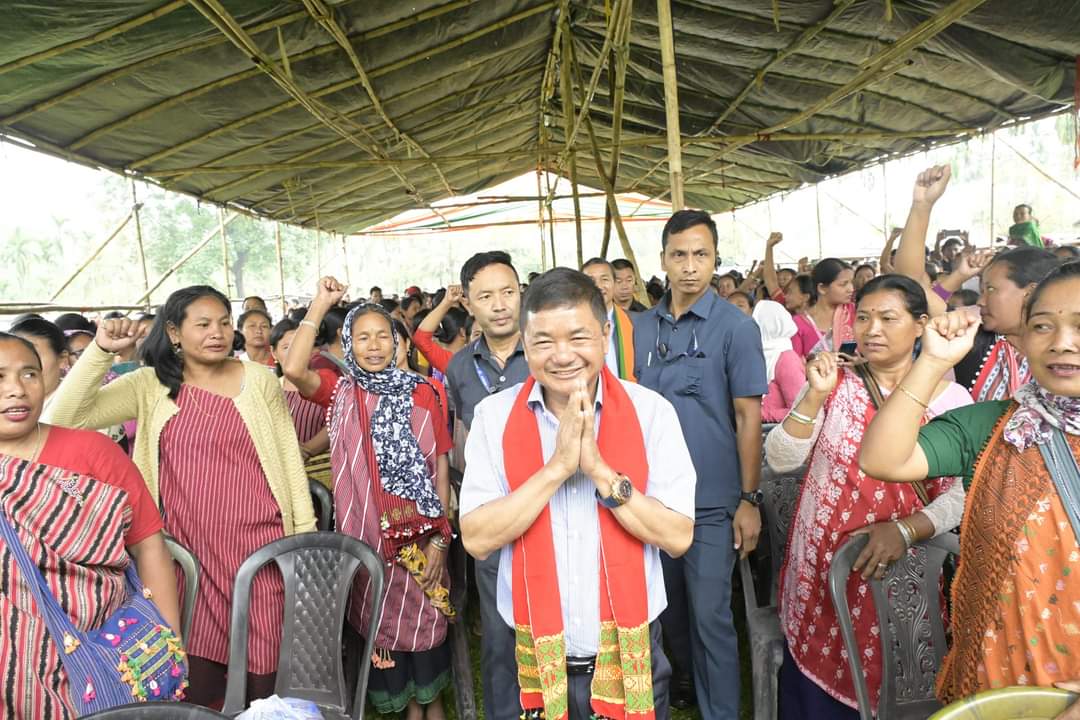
133	657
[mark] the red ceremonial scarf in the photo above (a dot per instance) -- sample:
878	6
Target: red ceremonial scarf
622	681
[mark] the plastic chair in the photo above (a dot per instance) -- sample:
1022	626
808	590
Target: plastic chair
913	644
156	711
1033	703
318	569
189	565
763	623
324	505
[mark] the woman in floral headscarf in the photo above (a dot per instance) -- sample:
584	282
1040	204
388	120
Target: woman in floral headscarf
388	449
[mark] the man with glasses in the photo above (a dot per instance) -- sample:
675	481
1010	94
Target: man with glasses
704	355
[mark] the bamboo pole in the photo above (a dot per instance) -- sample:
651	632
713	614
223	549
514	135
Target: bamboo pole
551	219
17	309
105	34
540	217
93	255
345	259
179	263
620	58
318	253
224	249
280	268
1039	169
817	205
135	205
671	102
612	200
567	91
993	182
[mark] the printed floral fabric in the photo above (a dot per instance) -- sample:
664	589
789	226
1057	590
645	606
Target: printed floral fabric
1039	413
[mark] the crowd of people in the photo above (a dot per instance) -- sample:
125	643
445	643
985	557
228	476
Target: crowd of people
598	454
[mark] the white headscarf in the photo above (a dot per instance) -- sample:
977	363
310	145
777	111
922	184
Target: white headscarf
777	329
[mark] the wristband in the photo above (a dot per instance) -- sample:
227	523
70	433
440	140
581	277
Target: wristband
310	324
941	292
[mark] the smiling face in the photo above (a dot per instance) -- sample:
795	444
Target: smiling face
604	278
563	346
1051	339
884	328
22	391
689	260
494	300
206	332
372	342
1002	300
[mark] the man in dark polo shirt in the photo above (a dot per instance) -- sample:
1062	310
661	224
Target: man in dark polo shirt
493	362
704	355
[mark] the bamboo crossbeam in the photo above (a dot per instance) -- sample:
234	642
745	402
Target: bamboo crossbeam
501	223
307	55
97	251
105	34
322	14
17	309
671	101
318	150
145	298
568	121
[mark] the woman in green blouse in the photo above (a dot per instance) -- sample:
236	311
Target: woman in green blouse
1016	596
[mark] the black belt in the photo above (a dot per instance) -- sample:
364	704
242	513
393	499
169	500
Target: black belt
580	665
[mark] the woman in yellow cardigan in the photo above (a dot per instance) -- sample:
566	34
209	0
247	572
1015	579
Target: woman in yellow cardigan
209	446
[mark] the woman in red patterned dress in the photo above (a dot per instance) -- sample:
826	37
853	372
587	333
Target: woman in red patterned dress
80	508
388	445
209	449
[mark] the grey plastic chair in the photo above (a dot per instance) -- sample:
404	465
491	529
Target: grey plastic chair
324	505
913	642
318	569
156	711
763	623
189	565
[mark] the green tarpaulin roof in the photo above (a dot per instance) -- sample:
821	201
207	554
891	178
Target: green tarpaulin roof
343	114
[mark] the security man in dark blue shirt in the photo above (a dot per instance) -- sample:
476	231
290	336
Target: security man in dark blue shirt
704	355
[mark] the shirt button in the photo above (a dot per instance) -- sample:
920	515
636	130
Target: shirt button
502	378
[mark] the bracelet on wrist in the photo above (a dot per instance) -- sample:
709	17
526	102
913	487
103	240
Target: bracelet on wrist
907	532
310	324
800	418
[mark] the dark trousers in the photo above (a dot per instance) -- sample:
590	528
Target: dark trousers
802	699
579	687
698	623
498	663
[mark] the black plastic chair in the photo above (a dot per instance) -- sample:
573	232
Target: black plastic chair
318	569
913	642
157	711
781	491
189	565
324	505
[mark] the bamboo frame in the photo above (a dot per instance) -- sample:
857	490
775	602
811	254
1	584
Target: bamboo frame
224	250
567	92
540	216
280	267
671	102
135	206
93	255
180	263
95	38
323	15
16	309
618	62
299	57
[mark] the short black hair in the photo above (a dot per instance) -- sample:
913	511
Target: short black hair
255	297
409	301
912	292
686	219
1024	205
563	288
74	321
374	288
598	261
244	317
481	260
621	264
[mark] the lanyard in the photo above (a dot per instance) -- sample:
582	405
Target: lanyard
483	376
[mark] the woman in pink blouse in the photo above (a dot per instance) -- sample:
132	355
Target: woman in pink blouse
785	369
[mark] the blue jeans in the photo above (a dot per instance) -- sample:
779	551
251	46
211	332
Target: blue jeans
698	623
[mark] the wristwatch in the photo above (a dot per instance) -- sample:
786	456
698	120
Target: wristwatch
621	490
754	498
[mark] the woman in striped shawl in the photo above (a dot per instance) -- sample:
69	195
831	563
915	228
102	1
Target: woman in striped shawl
388	449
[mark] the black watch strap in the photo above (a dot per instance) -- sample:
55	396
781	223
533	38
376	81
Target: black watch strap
754	498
